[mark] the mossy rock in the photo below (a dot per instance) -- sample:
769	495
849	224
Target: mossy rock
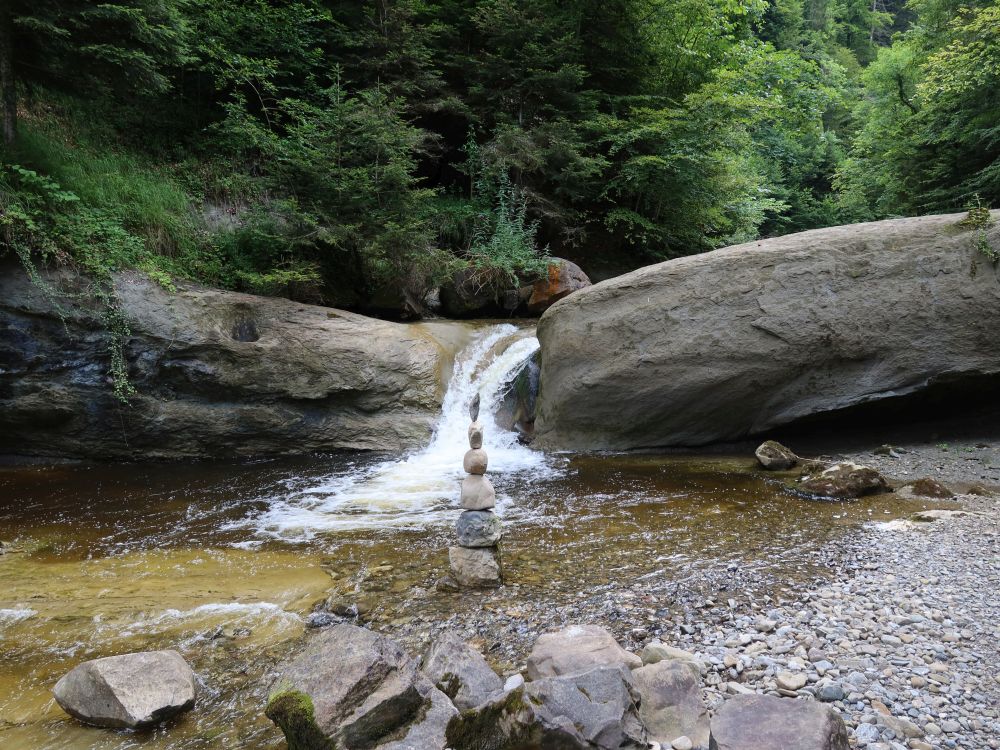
293	712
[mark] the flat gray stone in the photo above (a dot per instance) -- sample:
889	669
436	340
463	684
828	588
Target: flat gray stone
576	649
478	528
764	722
460	672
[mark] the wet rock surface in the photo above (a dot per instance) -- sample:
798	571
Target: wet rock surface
131	691
774	456
216	374
842	481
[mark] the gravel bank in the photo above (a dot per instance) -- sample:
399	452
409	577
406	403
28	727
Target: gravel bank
901	635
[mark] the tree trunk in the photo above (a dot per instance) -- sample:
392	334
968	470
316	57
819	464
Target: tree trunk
8	94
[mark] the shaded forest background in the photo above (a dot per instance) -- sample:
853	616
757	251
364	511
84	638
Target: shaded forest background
353	153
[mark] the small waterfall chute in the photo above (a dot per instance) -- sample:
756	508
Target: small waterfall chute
421	488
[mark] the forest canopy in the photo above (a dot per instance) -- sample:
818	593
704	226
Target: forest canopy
350	152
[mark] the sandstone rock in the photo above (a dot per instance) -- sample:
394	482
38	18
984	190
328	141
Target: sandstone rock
671	705
478	493
478	528
460	672
349	688
774	456
655	652
763	722
476	435
216	373
131	690
563	278
475	461
738	341
843	481
576	649
478	567
595	709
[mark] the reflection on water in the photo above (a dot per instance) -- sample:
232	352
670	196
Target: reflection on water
108	559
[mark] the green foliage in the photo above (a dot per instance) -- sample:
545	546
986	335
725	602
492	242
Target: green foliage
330	151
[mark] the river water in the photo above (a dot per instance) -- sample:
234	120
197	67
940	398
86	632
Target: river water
223	561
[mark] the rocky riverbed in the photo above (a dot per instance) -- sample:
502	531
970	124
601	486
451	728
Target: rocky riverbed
899	632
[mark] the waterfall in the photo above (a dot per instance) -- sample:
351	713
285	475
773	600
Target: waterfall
422	488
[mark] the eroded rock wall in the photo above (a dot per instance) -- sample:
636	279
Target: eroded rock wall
216	373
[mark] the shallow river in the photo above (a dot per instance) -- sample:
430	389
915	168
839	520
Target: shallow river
223	561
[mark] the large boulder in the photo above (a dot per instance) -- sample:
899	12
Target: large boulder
773	456
671	704
562	279
460	671
737	341
128	691
216	374
595	709
576	649
349	688
764	722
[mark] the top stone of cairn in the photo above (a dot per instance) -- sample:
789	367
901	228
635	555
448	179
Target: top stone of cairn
474	408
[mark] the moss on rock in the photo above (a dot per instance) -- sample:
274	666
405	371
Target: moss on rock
293	711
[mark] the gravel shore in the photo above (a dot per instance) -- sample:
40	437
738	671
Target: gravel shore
901	635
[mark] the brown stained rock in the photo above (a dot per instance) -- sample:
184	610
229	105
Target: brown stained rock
563	278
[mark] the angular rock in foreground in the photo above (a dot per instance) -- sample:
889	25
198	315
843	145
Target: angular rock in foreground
737	341
671	704
843	481
576	649
773	456
476	567
128	691
427	732
350	688
763	722
460	671
595	709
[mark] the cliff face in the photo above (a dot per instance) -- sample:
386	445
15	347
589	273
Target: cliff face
735	342
216	373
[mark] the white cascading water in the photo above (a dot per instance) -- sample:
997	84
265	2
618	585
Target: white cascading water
422	488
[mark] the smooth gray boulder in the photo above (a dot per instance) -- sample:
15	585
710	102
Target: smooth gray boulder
764	722
740	340
349	688
216	374
460	672
478	528
595	709
128	691
576	649
671	704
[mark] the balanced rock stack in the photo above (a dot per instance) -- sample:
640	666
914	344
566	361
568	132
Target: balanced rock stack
475	563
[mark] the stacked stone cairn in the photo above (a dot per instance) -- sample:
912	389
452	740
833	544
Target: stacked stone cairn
475	562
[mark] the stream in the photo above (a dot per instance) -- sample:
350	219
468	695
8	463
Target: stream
224	561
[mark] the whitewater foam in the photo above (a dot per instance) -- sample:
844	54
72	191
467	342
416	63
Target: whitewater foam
420	489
